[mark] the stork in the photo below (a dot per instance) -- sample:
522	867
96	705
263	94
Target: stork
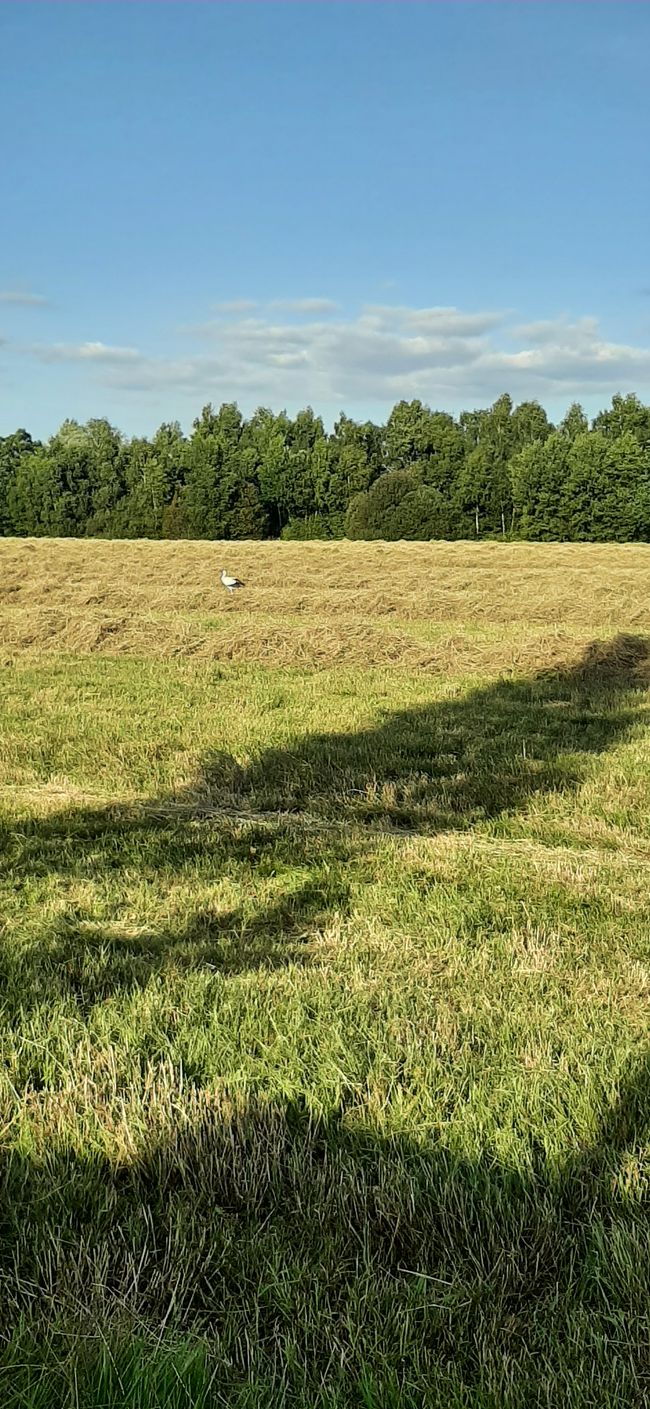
230	583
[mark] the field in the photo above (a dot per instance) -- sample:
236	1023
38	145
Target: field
325	976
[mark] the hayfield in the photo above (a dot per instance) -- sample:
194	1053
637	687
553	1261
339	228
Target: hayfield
325	975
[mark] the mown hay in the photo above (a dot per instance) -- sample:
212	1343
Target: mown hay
433	606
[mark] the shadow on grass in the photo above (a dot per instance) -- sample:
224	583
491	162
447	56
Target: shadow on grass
454	764
323	1263
291	889
317	1258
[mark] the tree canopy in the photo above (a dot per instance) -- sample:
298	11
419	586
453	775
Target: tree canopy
501	471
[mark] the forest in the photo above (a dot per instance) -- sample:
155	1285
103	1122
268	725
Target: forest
502	472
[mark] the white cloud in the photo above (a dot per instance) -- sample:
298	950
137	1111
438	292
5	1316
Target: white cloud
573	355
554	331
441	321
22	298
98	352
447	356
310	307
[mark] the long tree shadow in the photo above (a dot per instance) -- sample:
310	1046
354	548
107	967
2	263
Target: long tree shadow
290	890
456	762
318	1258
453	764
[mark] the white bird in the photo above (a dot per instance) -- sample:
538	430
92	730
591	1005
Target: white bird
230	583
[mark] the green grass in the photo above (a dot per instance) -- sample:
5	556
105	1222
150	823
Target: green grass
324	1070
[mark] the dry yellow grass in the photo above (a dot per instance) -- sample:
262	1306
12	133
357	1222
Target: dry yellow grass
426	605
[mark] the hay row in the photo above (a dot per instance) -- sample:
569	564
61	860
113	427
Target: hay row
286	644
580	585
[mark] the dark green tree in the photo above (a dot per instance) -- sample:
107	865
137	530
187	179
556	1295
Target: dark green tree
292	454
539	473
219	499
484	493
107	456
497	471
153	479
626	512
12	450
267	437
205	498
427	441
606	495
32	507
52	491
574	422
626	414
399	505
529	425
351	462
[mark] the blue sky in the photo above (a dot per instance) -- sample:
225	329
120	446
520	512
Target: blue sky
336	204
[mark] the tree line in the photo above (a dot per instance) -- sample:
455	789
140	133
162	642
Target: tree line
505	471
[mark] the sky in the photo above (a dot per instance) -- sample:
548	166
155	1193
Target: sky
320	202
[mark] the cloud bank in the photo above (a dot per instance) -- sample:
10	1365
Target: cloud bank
307	351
